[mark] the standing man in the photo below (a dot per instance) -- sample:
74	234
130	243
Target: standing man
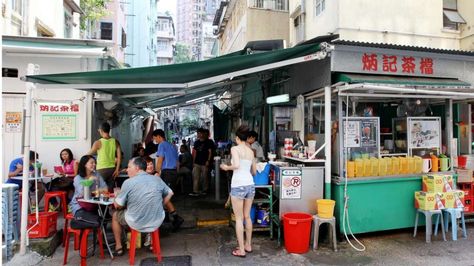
166	159
202	156
255	146
109	155
140	202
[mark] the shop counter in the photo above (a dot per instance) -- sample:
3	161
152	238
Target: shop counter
377	204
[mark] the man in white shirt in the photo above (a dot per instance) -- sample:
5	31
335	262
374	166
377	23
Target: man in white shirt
256	147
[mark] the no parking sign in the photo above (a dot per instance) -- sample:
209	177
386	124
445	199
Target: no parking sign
291	184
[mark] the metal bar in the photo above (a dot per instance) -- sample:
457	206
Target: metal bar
327	142
114	86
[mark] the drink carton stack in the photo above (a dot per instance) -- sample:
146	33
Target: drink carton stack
438	193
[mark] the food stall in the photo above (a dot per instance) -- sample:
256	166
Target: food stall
393	106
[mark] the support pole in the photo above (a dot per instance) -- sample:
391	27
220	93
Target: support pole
327	140
26	159
217	170
449	129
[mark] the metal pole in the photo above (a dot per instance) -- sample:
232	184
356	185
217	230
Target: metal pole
217	162
26	160
327	141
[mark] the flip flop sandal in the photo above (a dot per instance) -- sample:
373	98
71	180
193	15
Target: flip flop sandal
246	251
119	252
235	253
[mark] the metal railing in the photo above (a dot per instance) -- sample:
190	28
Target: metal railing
280	5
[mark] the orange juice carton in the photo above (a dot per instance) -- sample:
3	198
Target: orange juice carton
428	200
454	199
437	183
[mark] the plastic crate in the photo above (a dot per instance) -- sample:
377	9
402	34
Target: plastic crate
468	204
46	227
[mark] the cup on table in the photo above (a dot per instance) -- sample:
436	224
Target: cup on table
44	171
116	191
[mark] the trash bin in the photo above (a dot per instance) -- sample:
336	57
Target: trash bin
297	231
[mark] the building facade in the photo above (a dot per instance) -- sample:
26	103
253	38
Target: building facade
41	19
165	39
141	30
113	27
444	24
194	26
239	22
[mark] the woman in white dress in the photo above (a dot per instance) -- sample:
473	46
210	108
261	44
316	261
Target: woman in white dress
242	189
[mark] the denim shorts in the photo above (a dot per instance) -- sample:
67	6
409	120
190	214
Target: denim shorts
243	192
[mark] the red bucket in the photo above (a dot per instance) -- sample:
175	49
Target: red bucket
297	231
462	161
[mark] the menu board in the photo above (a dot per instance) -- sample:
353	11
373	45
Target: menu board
59	127
13	122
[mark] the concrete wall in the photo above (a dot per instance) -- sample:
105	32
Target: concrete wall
117	17
267	25
405	22
13	101
466	9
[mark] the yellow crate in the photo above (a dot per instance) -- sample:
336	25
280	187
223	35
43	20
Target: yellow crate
428	200
437	183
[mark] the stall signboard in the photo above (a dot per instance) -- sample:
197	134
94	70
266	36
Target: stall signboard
291	184
13	122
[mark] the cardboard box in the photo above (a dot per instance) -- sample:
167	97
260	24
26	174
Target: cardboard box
465	175
428	200
437	183
453	199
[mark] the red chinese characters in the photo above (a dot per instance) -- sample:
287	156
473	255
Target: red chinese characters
390	63
369	62
60	108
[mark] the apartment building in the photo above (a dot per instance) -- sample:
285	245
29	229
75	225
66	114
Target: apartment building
141	31
165	39
444	24
239	22
40	18
113	27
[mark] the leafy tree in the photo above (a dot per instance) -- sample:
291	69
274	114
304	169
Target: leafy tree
189	123
94	10
181	54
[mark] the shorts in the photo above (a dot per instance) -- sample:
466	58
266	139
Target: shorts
243	192
121	217
170	176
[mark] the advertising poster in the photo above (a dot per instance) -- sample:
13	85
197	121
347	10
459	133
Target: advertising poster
291	184
352	131
59	127
13	122
369	133
425	134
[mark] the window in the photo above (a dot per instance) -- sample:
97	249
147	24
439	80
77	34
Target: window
162	45
319	5
124	38
16	6
163	25
106	30
451	17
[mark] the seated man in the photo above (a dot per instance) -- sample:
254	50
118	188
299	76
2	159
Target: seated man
139	203
16	170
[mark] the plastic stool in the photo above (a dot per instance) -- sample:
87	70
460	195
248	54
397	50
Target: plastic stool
83	248
454	228
61	195
429	223
155	243
69	217
317	222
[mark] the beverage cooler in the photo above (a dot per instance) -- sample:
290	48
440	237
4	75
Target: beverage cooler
297	188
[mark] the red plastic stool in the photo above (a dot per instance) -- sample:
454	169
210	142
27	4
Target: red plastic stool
68	219
83	248
53	194
155	243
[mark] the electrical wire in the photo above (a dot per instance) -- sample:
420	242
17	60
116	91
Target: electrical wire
346	197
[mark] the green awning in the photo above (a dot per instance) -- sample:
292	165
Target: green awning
176	73
399	80
166	85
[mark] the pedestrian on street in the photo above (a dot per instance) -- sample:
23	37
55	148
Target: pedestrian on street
202	154
166	159
109	155
242	189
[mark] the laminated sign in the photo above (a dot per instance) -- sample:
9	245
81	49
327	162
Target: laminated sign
291	184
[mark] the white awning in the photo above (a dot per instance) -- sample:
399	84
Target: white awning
453	16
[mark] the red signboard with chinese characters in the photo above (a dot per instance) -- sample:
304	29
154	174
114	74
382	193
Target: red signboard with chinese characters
396	64
59	108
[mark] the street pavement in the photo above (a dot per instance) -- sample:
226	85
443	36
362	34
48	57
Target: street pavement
213	246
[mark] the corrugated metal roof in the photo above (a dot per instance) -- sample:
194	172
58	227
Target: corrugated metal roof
403	47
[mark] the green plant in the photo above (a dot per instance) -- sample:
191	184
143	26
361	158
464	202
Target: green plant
94	10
